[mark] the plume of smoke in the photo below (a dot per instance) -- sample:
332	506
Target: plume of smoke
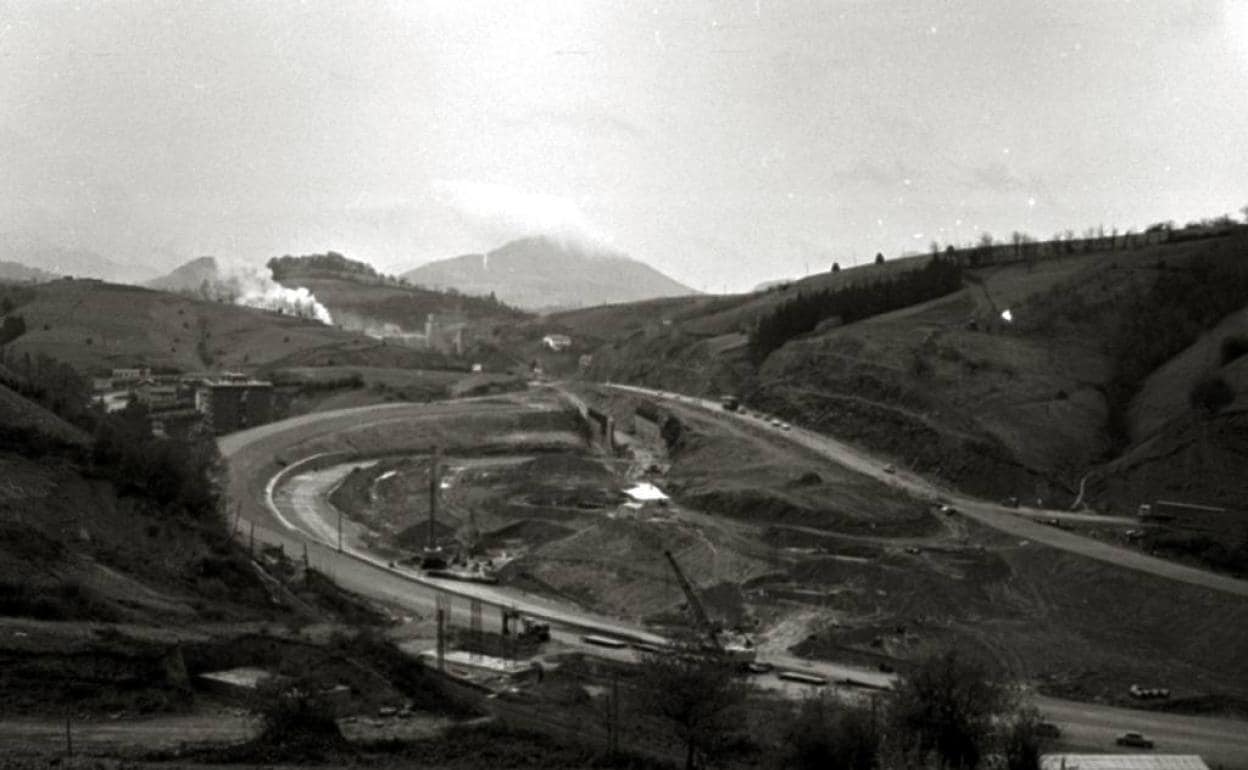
253	286
504	213
374	328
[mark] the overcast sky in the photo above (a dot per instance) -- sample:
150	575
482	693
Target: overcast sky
726	143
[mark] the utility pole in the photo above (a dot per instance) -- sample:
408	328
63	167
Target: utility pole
441	646
433	492
614	739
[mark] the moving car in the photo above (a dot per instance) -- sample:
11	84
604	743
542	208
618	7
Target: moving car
1048	730
890	468
1134	740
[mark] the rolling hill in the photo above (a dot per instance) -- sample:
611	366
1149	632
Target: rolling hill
545	274
380	306
1077	387
188	277
16	272
29	251
95	326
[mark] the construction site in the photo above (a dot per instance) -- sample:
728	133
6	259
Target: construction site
682	523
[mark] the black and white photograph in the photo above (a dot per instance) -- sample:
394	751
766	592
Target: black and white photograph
698	384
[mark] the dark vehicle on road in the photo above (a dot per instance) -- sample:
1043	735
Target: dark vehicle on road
1048	730
1134	740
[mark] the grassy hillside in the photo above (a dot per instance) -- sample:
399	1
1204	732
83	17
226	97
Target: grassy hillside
93	325
358	304
362	299
1021	408
119	582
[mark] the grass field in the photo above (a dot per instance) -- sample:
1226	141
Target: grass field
96	326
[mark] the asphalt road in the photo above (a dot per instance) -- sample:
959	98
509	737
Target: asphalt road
1024	524
300	501
254	476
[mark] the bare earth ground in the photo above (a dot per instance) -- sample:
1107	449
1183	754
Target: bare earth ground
829	564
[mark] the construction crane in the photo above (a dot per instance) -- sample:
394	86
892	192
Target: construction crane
738	647
695	604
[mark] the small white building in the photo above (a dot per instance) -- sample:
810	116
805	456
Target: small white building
644	494
129	375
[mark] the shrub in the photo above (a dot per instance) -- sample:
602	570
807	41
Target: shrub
296	725
949	705
1234	347
1168	318
1211	395
827	734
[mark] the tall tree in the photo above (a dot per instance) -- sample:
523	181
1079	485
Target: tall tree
949	705
697	692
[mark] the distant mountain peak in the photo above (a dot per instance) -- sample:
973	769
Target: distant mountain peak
188	276
31	250
544	273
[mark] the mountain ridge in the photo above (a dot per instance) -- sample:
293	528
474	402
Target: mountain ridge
28	251
541	273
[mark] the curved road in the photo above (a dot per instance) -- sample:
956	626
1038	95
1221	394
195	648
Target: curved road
258	466
1020	523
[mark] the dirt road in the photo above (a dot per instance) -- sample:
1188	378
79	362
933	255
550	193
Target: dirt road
1025	525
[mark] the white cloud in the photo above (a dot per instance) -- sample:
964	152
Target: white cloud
506	213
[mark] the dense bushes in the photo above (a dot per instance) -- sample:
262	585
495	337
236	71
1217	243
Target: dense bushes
827	734
950	711
56	386
1210	395
1234	348
13	296
852	303
1218	552
316	382
1168	318
330	262
175	474
54	601
13	327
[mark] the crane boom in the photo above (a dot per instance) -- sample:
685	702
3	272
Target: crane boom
695	604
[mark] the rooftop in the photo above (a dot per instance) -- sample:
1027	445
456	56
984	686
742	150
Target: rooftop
645	492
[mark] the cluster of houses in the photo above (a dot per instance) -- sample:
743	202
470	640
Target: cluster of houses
182	404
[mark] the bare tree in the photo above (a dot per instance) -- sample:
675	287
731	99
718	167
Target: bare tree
950	705
825	733
696	691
